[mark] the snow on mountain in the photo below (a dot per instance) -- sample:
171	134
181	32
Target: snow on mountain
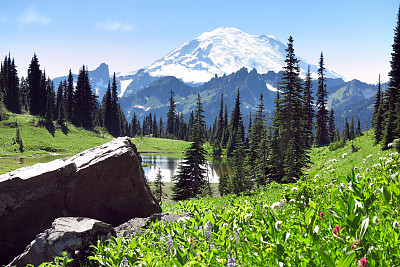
224	51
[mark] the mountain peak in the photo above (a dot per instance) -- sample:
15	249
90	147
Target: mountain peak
224	51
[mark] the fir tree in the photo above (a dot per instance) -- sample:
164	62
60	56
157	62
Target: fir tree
36	88
220	123
235	127
9	85
276	156
171	117
309	106
351	129
331	125
346	131
358	128
292	112
191	178
108	115
158	187
321	128
69	96
377	115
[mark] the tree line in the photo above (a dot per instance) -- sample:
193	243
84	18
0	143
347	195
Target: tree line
386	115
73	102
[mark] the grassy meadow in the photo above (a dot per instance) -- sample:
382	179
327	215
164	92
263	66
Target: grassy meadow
345	213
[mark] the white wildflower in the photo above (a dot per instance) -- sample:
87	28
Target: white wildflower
316	228
344	155
275	205
292	200
390	144
369	156
375	219
294	188
395	224
225	225
278	225
248	216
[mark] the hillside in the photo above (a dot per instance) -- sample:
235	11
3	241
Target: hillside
345	217
37	140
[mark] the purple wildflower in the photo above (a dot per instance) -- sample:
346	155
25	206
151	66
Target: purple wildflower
208	230
126	262
170	242
231	261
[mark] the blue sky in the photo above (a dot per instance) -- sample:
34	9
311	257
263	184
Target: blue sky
355	36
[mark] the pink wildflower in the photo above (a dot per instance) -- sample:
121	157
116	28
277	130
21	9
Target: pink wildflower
321	215
355	245
336	230
363	262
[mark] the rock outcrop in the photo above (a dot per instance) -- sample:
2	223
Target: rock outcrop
73	235
106	183
135	225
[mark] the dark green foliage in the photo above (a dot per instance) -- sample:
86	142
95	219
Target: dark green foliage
346	131
377	115
337	144
171	117
332	125
18	140
69	97
36	87
9	85
225	186
241	179
158	187
258	144
192	174
288	146
236	128
309	106
358	128
85	102
321	116
351	129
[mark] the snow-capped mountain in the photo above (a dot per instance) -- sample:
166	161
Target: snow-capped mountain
224	51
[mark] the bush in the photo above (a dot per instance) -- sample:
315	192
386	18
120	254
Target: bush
336	145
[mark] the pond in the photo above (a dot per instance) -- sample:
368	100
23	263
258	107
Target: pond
168	165
12	163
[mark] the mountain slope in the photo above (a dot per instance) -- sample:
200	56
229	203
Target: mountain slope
224	51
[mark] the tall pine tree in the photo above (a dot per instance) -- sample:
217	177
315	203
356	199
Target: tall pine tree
321	117
235	127
309	106
377	115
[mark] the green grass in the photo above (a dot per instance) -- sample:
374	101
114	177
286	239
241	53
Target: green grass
160	145
39	141
333	221
327	164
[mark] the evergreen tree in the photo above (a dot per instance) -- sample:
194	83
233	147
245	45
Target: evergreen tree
115	126
241	180
220	122
224	185
225	132
292	112
351	129
24	94
321	128
9	85
276	156
331	125
346	131
358	128
171	117
36	88
85	102
191	178
309	106
69	96
158	187
235	127
108	110
257	143
377	115
59	98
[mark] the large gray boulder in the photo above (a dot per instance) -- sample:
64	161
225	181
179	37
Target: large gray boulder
106	183
73	235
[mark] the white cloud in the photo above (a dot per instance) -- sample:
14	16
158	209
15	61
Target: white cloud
31	16
113	26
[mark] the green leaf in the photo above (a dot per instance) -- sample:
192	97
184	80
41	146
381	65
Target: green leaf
335	213
347	259
364	227
325	257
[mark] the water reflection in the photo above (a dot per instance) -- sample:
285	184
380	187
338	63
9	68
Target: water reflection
168	165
